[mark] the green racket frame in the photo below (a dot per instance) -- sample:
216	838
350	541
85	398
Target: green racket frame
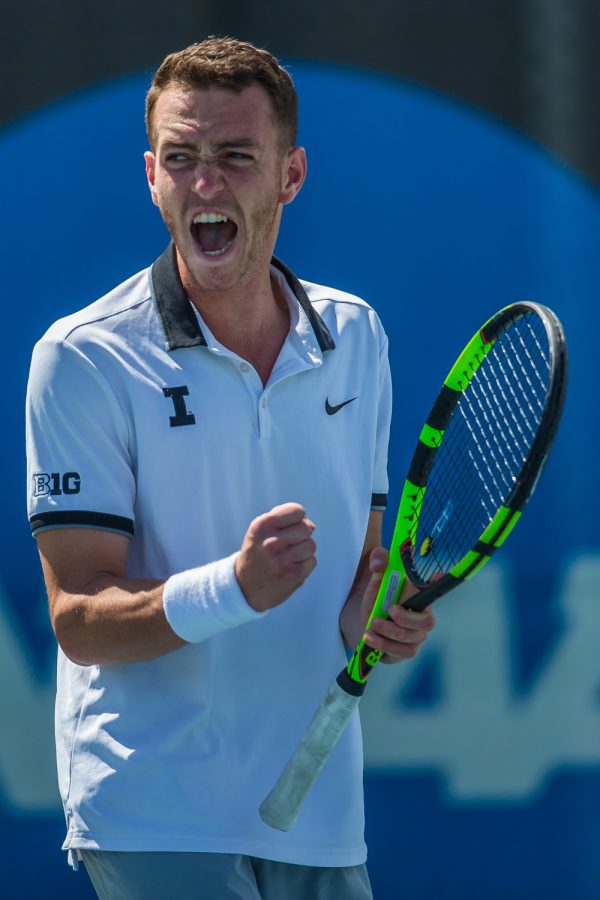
430	440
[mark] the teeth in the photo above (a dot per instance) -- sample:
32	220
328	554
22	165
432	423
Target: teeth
206	218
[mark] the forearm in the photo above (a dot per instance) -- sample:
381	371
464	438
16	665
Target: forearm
352	617
351	623
113	620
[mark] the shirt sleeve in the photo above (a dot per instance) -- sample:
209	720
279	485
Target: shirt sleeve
79	461
384	416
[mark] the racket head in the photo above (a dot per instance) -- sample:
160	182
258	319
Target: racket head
482	449
477	461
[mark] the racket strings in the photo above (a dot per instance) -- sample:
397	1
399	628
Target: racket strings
532	369
484	447
524	371
487	441
513	425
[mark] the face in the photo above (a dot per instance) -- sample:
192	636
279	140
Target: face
220	180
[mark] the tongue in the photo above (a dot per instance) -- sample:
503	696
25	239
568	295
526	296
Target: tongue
215	235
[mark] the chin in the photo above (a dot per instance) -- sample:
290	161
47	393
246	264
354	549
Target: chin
215	276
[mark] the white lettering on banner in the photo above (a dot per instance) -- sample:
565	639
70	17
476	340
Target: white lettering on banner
491	743
27	758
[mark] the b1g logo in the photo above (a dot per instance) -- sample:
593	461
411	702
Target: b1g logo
53	484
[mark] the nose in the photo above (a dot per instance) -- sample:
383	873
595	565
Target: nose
208	179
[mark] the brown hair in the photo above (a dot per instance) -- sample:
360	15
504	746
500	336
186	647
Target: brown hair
234	65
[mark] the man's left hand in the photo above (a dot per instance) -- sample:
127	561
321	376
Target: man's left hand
401	636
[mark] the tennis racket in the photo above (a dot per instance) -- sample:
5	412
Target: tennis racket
477	462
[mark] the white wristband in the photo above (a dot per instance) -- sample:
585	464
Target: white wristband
202	602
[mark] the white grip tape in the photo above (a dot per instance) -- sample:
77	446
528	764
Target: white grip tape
281	807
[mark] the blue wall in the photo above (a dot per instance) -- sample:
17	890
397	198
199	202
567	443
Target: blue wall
483	755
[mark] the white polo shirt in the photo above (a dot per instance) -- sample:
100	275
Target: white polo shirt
139	421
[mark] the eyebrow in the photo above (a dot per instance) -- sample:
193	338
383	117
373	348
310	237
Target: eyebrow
216	145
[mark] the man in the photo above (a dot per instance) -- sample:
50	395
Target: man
190	435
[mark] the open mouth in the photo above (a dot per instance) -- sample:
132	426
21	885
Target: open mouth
213	233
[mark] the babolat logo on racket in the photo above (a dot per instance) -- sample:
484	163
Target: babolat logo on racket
368	659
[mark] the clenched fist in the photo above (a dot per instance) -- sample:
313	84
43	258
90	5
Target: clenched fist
276	557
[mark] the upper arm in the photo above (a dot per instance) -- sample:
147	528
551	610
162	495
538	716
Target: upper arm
72	558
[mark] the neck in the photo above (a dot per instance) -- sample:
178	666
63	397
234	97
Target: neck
252	319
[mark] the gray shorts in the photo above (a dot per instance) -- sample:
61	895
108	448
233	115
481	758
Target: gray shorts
218	876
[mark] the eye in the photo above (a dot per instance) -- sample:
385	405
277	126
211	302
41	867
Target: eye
177	157
236	156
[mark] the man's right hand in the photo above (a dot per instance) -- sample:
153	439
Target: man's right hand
276	557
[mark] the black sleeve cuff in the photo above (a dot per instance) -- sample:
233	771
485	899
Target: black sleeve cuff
80	518
378	501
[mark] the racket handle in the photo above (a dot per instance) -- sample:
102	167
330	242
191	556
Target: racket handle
281	807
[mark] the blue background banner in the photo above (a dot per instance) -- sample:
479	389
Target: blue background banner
483	755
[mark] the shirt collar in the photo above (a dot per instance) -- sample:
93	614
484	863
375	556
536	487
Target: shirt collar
177	316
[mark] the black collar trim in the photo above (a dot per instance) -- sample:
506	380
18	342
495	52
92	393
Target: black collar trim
319	327
177	316
175	311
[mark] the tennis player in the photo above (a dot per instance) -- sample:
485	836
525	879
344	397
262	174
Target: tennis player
192	437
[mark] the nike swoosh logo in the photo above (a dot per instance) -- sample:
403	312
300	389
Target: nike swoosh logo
331	410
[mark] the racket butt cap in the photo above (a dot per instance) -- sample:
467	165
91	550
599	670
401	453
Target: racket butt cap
275	817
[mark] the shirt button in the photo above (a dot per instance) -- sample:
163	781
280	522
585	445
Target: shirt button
244	367
264	402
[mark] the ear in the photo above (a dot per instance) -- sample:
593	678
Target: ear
293	174
151	175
